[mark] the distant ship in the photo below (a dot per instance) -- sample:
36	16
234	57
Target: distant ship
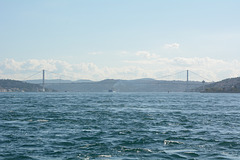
111	90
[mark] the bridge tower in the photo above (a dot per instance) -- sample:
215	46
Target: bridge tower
43	81
187	82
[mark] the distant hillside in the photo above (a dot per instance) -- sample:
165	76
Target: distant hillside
230	85
39	81
19	86
139	85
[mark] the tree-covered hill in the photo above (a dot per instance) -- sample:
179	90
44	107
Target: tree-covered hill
230	85
7	85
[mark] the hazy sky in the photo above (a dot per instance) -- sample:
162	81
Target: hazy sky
128	39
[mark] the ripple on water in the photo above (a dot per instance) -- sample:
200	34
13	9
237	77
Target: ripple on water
119	126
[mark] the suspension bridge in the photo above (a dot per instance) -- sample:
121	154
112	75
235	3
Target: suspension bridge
177	82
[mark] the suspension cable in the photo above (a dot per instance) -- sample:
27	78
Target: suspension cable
32	76
201	76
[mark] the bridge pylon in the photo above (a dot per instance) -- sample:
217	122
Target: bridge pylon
187	82
43	81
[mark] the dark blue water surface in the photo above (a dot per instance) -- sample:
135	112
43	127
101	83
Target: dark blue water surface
56	126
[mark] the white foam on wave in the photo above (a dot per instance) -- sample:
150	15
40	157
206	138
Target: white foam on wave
180	151
105	156
233	156
147	150
167	142
138	150
42	120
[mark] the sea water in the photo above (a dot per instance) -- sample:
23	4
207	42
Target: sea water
56	126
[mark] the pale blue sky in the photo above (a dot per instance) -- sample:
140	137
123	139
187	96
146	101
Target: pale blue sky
111	33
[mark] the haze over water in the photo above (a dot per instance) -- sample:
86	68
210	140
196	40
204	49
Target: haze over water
119	126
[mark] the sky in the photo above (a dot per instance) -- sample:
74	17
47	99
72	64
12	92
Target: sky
119	39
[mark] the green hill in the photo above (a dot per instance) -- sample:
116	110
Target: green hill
230	85
7	85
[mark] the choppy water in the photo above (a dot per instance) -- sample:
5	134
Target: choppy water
72	126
